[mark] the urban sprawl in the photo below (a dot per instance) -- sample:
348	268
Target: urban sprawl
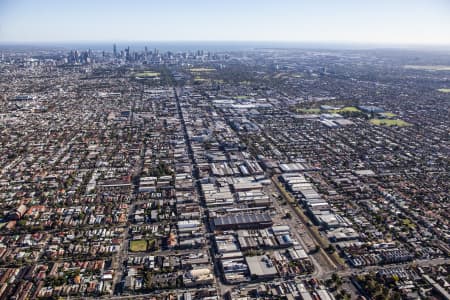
258	174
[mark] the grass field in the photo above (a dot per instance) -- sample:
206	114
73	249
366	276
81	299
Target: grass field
388	122
389	114
202	70
138	246
308	110
444	90
428	68
318	110
346	109
147	74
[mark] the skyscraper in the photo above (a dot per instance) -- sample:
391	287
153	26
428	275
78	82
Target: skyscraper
115	50
127	53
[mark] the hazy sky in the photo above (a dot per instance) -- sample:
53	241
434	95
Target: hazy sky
376	21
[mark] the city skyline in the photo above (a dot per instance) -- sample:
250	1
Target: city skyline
349	21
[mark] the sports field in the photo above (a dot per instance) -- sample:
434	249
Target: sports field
346	109
389	122
147	74
138	246
198	70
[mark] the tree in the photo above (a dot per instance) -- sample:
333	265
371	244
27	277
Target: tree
330	249
336	279
316	249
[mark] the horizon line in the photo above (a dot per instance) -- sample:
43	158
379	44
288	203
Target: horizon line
244	44
230	41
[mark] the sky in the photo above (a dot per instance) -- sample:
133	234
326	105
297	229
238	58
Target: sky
361	21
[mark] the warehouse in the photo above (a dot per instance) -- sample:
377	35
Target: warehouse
261	267
243	221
